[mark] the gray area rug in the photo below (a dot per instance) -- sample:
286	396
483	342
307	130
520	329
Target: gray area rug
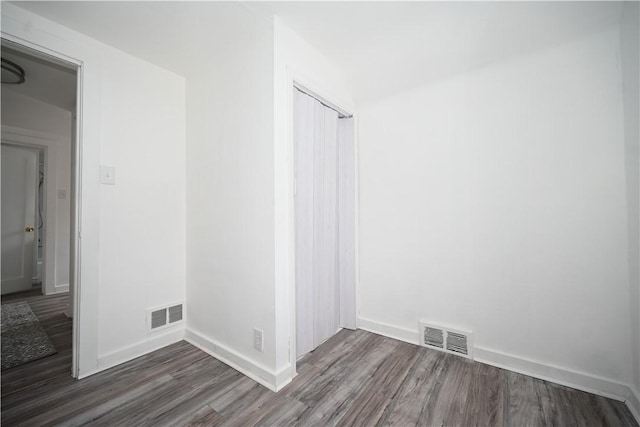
23	339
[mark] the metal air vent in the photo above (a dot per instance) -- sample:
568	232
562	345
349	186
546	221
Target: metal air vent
446	339
457	343
175	313
158	318
433	337
163	317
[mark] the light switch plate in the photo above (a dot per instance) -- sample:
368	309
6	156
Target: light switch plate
108	175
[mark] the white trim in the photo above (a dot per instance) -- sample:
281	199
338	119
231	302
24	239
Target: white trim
81	305
579	380
283	377
274	381
138	349
563	376
25	46
633	403
58	289
356	208
291	223
390	331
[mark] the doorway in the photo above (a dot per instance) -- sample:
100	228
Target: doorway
20	204
39	198
324	211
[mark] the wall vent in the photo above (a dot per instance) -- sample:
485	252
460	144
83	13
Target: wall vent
446	339
162	317
433	337
158	318
175	313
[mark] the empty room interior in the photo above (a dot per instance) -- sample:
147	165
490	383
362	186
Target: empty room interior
320	213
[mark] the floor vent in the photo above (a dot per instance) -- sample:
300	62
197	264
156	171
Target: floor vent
162	317
446	339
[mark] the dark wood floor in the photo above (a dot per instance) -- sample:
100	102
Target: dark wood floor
355	378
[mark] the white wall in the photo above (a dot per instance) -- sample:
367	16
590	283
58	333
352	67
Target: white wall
29	113
294	59
33	115
133	233
630	94
142	221
230	202
239	178
495	201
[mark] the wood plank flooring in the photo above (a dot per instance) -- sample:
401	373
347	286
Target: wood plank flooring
356	378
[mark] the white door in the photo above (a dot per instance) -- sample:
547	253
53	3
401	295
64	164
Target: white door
324	223
19	173
305	117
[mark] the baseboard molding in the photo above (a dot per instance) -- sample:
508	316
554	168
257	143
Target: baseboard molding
570	378
272	380
390	331
634	403
283	377
58	289
578	380
141	348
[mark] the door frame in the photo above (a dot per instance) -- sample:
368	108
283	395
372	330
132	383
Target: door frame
308	85
75	261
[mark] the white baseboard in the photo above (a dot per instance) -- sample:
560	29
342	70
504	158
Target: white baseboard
390	331
58	289
283	377
578	380
152	343
272	380
634	403
563	376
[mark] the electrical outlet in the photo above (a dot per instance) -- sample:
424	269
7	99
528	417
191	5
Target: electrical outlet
258	341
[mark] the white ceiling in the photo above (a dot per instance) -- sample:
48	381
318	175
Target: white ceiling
383	47
176	35
45	81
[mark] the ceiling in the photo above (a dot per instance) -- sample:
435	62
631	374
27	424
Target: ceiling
386	47
382	47
45	81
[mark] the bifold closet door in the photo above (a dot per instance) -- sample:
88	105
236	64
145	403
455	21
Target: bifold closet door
325	235
316	208
346	223
324	156
305	112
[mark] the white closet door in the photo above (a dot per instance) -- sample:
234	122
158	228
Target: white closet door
304	125
304	119
346	221
320	247
326	294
